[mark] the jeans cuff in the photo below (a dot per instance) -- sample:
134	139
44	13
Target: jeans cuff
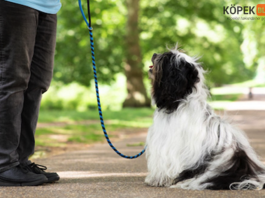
25	163
9	166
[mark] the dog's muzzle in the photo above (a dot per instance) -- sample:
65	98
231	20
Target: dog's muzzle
150	71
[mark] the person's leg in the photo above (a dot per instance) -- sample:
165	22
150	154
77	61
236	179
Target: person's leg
17	39
40	79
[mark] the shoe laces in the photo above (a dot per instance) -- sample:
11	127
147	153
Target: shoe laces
38	167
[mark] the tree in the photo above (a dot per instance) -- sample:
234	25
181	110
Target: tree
73	58
126	36
137	96
201	29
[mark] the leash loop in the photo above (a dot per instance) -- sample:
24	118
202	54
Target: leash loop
96	83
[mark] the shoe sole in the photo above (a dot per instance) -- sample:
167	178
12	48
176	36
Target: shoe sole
53	179
32	183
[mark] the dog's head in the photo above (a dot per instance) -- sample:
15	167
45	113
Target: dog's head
174	76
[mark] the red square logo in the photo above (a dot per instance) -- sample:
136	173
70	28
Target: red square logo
261	9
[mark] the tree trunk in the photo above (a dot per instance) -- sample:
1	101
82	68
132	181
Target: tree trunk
137	96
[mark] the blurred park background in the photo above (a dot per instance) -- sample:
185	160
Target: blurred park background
126	34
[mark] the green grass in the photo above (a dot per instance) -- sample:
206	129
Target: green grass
250	83
136	144
223	96
128	114
91	131
86	138
226	97
222	99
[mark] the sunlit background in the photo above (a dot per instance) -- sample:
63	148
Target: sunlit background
126	34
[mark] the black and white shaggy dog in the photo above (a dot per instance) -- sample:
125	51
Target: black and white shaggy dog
188	145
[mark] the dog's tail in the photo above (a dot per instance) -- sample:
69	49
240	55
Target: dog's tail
252	172
250	184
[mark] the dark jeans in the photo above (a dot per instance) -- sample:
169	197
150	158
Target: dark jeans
27	45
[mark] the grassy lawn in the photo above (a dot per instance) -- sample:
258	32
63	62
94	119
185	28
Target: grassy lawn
84	127
128	114
220	101
222	96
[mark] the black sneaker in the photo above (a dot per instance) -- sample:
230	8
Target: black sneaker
39	169
19	176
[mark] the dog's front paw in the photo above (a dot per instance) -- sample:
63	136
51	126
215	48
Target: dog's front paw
191	184
183	185
158	182
150	181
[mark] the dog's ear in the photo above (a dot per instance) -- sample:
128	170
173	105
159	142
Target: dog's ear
190	73
174	80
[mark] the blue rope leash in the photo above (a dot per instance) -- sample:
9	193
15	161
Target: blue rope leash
96	84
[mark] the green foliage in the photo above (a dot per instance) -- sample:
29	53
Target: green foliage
201	29
73	57
74	96
230	49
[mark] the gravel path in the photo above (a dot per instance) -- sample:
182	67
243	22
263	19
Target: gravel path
99	172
